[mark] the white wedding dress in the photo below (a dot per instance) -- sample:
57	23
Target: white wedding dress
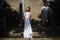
27	26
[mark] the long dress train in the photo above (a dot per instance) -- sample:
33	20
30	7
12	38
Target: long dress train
27	26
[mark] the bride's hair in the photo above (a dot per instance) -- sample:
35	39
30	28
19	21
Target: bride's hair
27	10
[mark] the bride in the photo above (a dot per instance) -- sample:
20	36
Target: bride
27	25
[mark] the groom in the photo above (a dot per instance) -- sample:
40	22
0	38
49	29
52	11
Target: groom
45	10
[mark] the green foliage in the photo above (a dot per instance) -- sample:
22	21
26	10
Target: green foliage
12	33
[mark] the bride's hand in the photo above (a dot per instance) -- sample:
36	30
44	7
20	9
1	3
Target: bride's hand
23	18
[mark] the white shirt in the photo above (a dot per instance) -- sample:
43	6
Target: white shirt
45	9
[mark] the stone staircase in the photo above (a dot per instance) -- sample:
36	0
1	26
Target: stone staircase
38	32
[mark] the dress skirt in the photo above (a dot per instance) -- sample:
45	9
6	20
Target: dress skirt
27	28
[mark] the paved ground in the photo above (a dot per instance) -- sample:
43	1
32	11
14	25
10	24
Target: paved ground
28	39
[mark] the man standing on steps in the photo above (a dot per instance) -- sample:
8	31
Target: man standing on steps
45	10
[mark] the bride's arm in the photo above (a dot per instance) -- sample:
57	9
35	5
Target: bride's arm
30	16
23	16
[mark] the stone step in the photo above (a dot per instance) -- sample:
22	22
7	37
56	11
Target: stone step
21	34
35	35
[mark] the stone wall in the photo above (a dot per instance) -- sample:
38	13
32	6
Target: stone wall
34	4
35	7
